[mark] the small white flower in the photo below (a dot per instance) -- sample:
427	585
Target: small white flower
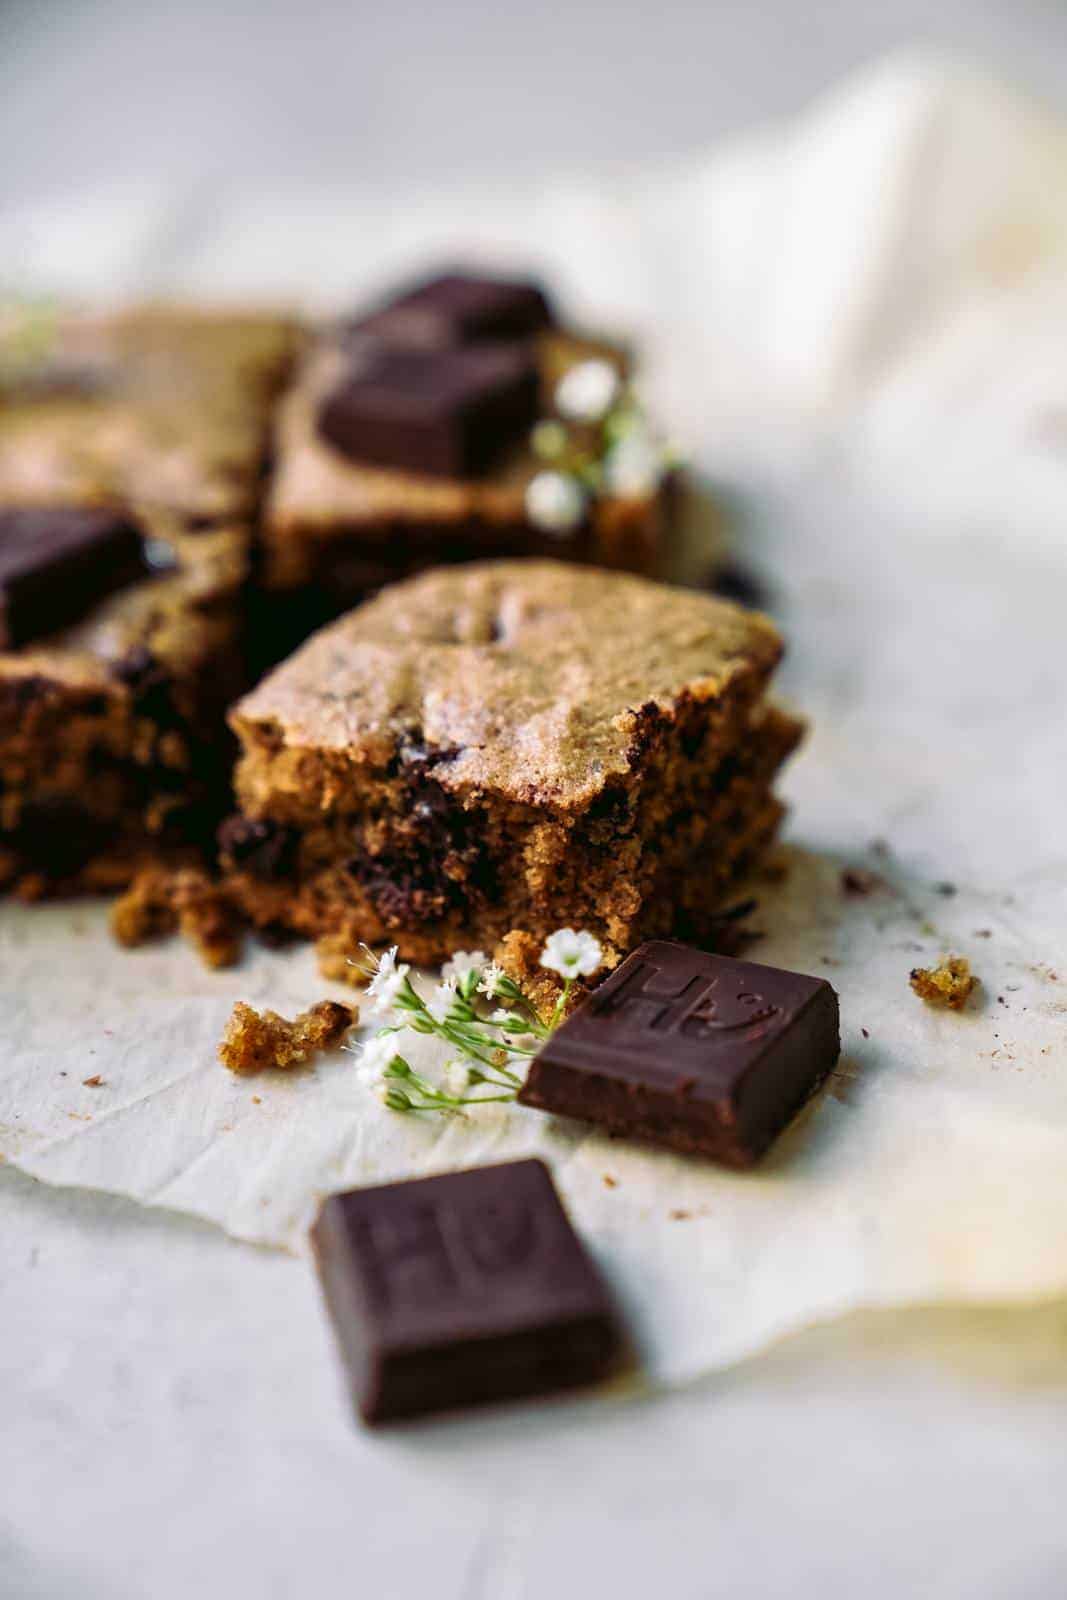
374	1055
587	392
462	962
555	503
572	954
387	983
438	1003
500	1016
634	466
490	980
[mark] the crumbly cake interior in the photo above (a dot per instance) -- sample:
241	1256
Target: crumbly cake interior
504	746
113	748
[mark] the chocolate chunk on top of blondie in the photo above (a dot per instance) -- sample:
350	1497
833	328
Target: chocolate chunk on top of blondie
510	745
456	308
364	491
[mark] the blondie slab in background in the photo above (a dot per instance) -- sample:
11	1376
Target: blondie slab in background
119	658
336	525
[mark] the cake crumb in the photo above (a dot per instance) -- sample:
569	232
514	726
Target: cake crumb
257	1040
333	952
95	1082
950	983
610	1182
858	882
160	902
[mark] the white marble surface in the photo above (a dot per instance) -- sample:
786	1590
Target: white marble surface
172	1417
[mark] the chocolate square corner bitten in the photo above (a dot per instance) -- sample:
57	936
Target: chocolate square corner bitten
445	412
131	457
455	308
510	745
461	1289
702	1053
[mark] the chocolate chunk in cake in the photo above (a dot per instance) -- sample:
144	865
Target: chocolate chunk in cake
513	746
459	1290
457	308
695	1051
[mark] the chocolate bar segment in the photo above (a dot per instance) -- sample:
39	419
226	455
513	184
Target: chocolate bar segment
458	308
57	562
698	1052
449	413
460	1289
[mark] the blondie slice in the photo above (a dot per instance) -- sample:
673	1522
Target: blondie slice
507	748
395	451
131	461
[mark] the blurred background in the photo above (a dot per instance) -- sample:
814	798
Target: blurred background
99	92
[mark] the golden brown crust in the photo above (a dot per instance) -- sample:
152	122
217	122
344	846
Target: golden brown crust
255	1041
170	413
527	680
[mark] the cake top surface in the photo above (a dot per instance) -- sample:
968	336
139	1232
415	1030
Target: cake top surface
521	678
153	406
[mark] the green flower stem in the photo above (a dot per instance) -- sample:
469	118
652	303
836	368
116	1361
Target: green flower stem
568	984
487	1047
471	1050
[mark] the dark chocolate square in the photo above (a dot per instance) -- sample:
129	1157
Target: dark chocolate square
56	562
449	413
460	1289
695	1051
458	308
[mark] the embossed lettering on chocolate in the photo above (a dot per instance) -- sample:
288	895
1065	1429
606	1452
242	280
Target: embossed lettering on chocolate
699	1052
460	1289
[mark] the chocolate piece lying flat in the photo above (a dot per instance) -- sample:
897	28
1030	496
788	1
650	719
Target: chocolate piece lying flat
56	562
695	1051
460	1289
445	412
458	308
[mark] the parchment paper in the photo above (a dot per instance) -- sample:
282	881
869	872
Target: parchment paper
896	369
932	1169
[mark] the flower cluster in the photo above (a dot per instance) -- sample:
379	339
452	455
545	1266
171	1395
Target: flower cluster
488	1043
598	443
